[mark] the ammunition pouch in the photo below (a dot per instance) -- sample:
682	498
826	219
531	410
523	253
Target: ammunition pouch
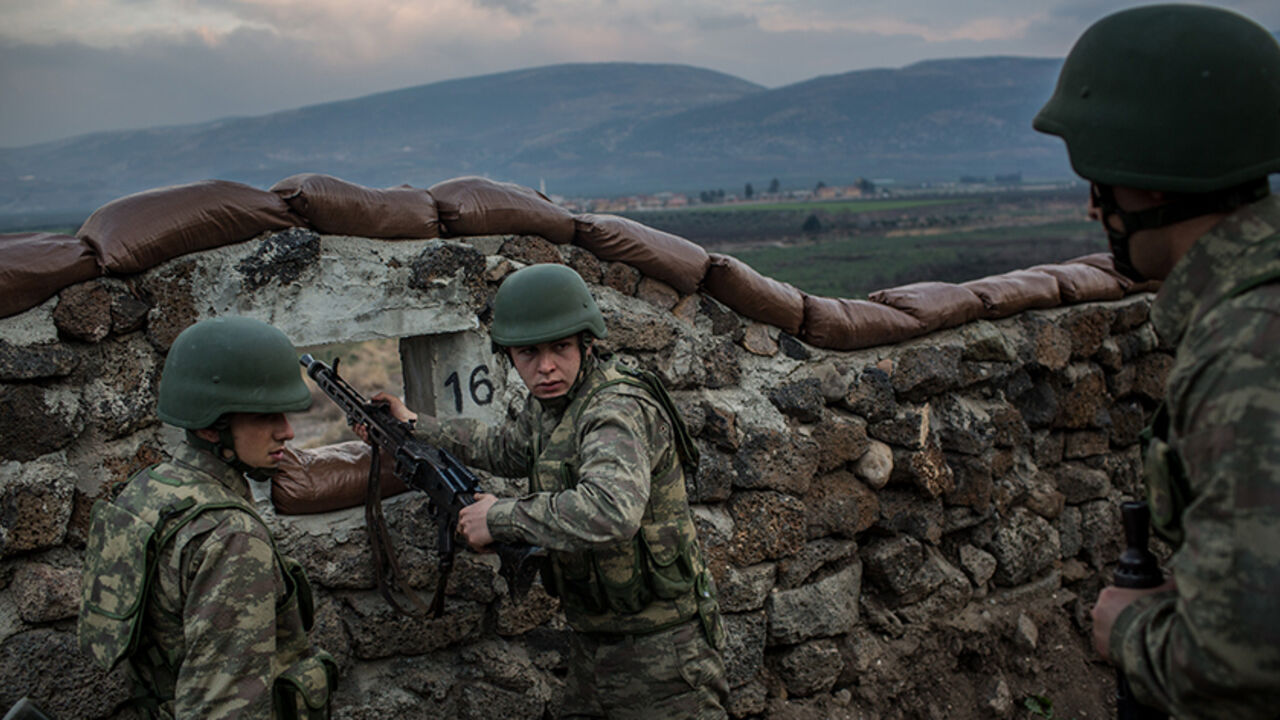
624	578
302	691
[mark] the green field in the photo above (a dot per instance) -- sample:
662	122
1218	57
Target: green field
852	267
827	206
734	227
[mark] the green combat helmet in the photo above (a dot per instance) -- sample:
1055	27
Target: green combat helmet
1178	98
1184	99
542	303
229	365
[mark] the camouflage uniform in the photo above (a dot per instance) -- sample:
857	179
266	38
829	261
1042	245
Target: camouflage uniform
1211	648
609	501
183	580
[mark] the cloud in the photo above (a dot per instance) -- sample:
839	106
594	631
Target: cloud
976	30
513	7
733	21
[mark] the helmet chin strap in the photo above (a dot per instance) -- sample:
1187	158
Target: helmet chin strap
224	450
1184	207
584	351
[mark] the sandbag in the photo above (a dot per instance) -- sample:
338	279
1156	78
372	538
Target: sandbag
752	295
479	206
840	324
1080	282
35	266
659	255
328	478
936	305
1106	262
139	231
1013	292
338	207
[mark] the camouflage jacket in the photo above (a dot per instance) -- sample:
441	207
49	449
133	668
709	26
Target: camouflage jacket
608	498
1211	648
219	619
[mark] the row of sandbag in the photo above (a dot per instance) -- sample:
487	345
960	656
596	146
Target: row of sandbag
140	231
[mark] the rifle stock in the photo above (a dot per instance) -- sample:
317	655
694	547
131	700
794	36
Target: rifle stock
431	470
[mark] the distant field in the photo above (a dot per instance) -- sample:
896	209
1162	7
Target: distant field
733	228
852	267
828	206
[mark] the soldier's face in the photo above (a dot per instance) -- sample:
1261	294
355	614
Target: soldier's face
259	438
548	369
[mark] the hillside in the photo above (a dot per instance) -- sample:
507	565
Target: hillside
417	135
584	128
934	120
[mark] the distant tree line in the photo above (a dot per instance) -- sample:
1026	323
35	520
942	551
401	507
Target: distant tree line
864	186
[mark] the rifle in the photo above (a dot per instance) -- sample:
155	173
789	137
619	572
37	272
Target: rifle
1136	569
445	480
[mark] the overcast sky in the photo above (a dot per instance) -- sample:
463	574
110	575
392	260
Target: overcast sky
69	67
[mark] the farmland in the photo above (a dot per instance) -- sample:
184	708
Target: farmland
851	248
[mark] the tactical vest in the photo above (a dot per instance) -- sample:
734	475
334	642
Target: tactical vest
1163	470
121	558
649	582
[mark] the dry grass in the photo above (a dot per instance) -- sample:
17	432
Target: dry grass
369	367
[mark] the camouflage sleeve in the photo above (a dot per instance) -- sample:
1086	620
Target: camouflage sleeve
229	624
618	441
1212	649
500	450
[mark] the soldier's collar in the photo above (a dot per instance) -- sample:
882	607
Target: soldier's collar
194	457
1196	278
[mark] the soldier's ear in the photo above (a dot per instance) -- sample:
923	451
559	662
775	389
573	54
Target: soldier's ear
208	434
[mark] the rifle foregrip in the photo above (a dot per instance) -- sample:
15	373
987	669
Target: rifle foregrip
1137	569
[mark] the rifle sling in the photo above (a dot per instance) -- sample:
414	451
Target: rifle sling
384	555
437	602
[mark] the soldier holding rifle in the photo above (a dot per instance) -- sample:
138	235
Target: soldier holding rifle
606	453
1172	112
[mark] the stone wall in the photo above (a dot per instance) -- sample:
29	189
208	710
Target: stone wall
911	530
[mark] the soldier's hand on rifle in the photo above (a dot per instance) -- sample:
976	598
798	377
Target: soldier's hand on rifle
473	524
399	411
1111	602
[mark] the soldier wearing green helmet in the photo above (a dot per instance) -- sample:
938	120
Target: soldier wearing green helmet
182	580
607	456
1172	112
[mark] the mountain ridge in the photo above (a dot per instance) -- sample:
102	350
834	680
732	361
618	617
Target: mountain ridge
586	128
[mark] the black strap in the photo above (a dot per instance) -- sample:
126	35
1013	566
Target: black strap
1181	207
386	568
